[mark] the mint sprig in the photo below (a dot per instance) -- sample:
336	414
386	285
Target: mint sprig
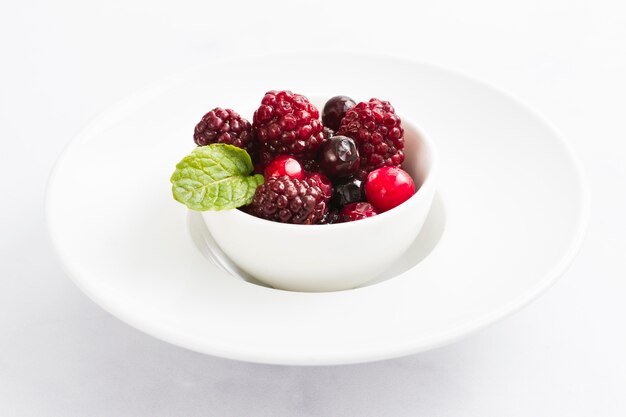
215	177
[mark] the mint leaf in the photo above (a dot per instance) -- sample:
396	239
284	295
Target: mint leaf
215	177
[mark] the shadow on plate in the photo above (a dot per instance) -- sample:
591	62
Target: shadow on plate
429	236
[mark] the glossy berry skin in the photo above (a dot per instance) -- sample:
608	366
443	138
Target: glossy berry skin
388	187
225	126
335	109
287	124
289	200
348	190
357	211
378	134
338	157
284	165
324	183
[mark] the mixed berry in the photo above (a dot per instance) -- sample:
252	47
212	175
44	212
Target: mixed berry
289	200
287	124
343	167
225	126
378	133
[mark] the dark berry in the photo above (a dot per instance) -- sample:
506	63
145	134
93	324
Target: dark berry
289	200
328	133
324	183
388	187
310	165
378	134
339	157
287	124
335	109
284	165
357	211
224	126
348	190
259	168
331	217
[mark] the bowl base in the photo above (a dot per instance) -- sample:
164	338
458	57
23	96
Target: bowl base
422	246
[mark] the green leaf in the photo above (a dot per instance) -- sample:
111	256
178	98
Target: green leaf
215	177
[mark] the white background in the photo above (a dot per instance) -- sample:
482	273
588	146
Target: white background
63	62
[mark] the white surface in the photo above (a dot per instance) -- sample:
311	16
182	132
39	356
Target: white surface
64	62
510	231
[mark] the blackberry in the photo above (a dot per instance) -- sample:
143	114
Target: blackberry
289	200
287	124
224	126
378	133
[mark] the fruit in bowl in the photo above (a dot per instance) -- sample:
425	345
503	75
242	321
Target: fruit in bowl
318	210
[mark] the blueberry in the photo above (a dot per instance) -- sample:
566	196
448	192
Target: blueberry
348	190
339	157
335	109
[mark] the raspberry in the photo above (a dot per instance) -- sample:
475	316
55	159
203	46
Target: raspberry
224	126
289	200
377	132
357	211
287	124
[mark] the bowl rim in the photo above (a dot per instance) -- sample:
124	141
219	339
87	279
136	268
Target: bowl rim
428	184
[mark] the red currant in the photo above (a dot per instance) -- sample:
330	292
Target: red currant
388	187
284	165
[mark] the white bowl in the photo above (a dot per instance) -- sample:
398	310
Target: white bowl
315	258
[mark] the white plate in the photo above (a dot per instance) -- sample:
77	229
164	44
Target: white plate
514	197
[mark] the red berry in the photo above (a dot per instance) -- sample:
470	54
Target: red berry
324	183
284	165
357	211
388	187
287	124
378	134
